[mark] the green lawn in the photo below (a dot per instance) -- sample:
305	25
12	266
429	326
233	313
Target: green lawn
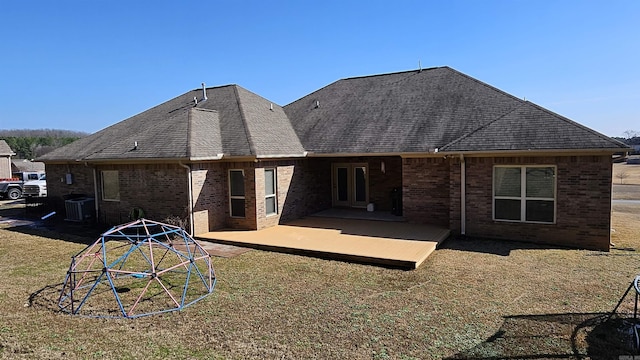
470	299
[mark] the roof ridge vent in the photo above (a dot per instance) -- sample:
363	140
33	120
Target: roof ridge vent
204	92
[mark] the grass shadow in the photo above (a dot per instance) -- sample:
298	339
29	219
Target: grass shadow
46	298
556	336
492	246
79	234
21	217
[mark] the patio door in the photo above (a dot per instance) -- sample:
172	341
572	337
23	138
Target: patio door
350	185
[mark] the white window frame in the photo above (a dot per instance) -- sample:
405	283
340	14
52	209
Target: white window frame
275	192
523	193
104	193
237	197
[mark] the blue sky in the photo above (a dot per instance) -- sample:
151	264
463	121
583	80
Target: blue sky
84	65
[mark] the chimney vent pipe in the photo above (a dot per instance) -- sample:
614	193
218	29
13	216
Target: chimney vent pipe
204	92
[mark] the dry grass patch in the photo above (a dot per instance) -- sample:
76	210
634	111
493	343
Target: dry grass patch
624	173
470	299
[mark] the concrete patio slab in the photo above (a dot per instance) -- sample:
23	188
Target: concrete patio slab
394	244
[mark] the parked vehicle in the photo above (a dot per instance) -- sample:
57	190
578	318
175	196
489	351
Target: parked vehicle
11	188
35	188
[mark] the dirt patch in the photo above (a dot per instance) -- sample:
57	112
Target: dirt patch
222	250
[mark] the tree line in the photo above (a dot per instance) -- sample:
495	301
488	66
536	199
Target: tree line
631	137
30	144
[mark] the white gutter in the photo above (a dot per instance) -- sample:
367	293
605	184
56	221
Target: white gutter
206	158
281	156
463	196
191	226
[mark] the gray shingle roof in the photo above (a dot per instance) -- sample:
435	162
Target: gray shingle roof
530	127
5	150
26	165
404	112
270	131
419	111
204	134
232	121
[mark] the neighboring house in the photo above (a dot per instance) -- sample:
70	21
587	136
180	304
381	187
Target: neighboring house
445	148
5	160
22	165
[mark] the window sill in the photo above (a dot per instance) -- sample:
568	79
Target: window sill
523	222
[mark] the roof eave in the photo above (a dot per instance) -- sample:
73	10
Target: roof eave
363	154
281	156
533	152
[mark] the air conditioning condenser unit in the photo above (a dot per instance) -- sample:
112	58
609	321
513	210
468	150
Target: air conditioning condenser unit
79	209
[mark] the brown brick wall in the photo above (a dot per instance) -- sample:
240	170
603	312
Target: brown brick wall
583	205
454	195
297	191
297	183
160	190
58	189
431	194
305	190
381	184
315	191
210	193
426	190
56	180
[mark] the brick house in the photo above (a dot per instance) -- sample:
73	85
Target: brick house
435	145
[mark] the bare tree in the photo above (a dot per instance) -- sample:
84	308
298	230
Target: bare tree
631	134
622	175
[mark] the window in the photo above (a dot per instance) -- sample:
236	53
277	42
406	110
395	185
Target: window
524	193
270	201
236	193
110	185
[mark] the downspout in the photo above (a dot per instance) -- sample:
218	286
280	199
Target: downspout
463	196
95	191
191	226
